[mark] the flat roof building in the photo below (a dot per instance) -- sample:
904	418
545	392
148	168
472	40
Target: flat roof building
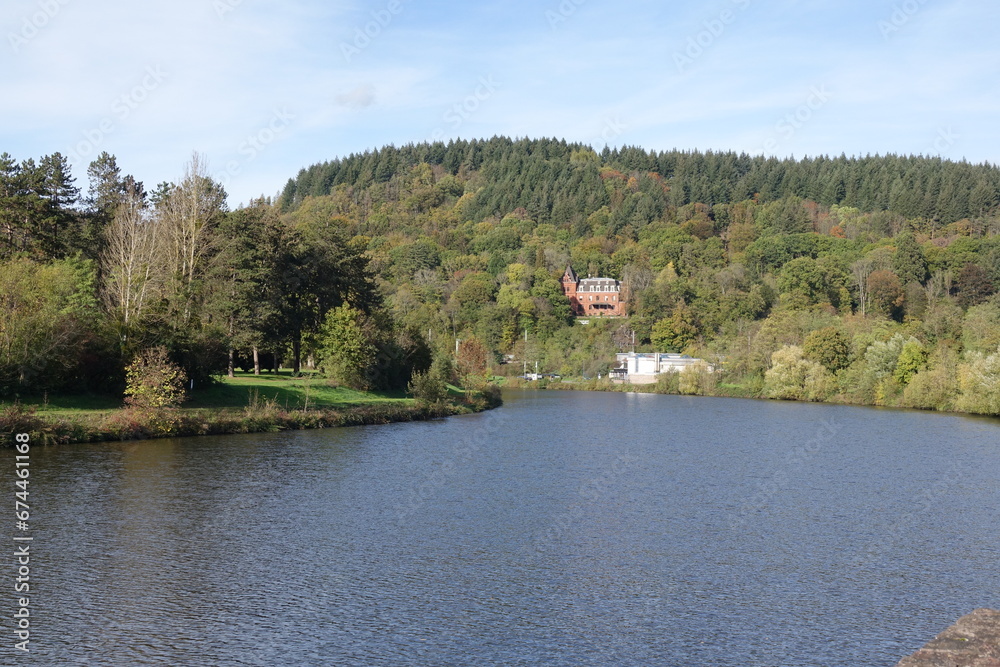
643	368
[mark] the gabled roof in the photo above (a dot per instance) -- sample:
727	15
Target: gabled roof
570	274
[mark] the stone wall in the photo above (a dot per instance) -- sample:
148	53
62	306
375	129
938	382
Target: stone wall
974	641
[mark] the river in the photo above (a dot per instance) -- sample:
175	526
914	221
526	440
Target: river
566	528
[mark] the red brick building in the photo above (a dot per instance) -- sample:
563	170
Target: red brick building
593	297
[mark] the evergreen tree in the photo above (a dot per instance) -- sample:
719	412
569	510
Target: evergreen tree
908	262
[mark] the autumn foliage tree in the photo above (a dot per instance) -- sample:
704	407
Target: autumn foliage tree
885	293
472	357
973	285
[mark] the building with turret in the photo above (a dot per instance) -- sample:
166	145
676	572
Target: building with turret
593	297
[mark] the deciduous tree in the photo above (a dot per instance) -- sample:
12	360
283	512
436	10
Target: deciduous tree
675	333
132	262
886	293
828	346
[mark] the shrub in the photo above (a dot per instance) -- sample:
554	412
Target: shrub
427	387
979	380
668	383
697	380
791	376
934	388
153	381
15	418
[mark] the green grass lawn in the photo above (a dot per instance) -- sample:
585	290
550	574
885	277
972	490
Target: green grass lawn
59	406
306	391
310	390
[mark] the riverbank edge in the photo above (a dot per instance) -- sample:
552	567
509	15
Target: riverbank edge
144	424
720	392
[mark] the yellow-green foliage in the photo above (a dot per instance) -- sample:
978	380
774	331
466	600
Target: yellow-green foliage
153	381
934	387
829	347
883	356
981	328
44	312
675	333
979	381
697	380
427	388
668	383
911	359
793	377
347	349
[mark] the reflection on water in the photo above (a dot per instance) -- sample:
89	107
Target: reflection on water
565	528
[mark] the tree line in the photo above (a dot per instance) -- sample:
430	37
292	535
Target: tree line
88	283
544	178
860	279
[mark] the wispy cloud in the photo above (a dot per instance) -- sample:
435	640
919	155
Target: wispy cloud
357	98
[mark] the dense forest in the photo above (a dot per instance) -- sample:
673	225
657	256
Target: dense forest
869	280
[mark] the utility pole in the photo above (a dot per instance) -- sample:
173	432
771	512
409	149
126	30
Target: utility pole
525	373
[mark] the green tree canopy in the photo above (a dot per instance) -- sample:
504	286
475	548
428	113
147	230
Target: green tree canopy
828	346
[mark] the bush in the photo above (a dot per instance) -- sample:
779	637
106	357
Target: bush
427	387
794	377
484	397
668	383
979	381
15	418
697	380
934	388
152	380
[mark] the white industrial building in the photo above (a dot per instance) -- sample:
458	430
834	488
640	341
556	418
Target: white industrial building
643	368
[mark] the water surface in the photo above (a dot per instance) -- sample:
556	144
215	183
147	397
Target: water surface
563	529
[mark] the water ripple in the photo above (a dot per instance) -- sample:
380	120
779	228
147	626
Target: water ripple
665	530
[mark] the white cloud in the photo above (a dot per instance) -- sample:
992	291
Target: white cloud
357	98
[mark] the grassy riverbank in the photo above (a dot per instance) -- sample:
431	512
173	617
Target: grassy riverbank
244	404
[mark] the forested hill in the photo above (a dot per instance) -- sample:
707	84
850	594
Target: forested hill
556	181
871	280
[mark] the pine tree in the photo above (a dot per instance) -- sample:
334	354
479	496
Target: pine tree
908	262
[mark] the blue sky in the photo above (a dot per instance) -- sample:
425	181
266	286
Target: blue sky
263	88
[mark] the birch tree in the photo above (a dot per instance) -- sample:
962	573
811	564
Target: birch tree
188	215
861	269
131	261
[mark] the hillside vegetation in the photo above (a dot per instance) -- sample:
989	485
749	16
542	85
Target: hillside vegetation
869	280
